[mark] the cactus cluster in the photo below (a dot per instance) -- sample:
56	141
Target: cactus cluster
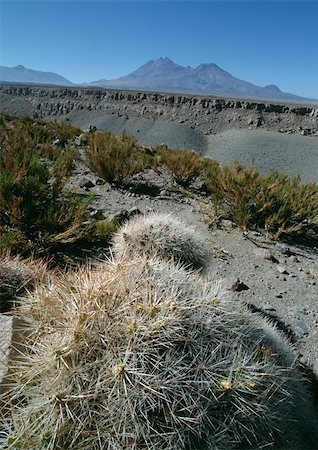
141	353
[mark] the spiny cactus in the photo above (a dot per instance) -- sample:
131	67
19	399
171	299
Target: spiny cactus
16	275
145	355
163	236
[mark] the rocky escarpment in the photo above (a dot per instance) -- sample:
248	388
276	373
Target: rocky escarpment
208	115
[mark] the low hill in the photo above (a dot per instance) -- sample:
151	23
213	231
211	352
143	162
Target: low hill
21	74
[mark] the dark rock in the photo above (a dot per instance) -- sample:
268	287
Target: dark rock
86	183
283	249
234	284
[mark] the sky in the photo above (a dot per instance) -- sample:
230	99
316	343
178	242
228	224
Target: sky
263	42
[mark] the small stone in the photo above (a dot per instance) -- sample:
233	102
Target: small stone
263	253
283	248
86	183
228	223
300	310
268	307
282	270
234	284
302	328
293	258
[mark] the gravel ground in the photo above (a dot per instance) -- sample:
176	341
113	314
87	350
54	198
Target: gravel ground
290	154
273	280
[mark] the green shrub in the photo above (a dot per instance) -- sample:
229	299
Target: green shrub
116	158
33	207
185	165
276	203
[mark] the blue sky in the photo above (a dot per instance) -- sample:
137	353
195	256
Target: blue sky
264	42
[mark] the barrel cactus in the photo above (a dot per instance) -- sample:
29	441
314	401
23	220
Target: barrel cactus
144	354
163	236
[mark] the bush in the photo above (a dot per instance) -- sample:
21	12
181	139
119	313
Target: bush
146	355
185	165
116	158
280	205
33	207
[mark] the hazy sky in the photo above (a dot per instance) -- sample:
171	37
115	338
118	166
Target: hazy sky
264	42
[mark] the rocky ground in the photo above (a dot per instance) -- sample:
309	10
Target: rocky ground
272	135
278	279
275	280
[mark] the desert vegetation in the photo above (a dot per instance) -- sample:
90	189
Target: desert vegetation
164	236
143	353
140	351
37	215
282	206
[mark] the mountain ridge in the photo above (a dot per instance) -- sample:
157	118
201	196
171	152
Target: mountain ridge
21	74
165	75
206	79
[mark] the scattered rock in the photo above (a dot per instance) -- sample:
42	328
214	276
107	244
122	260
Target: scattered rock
282	270
226	223
302	328
294	259
233	284
300	310
283	249
264	253
268	307
80	140
86	183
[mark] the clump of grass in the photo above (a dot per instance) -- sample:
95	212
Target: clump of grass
281	205
116	158
144	354
164	236
185	165
36	213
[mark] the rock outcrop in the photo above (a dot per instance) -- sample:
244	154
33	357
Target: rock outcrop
208	115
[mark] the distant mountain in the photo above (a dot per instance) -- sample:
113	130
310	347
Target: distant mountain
166	76
207	79
21	74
